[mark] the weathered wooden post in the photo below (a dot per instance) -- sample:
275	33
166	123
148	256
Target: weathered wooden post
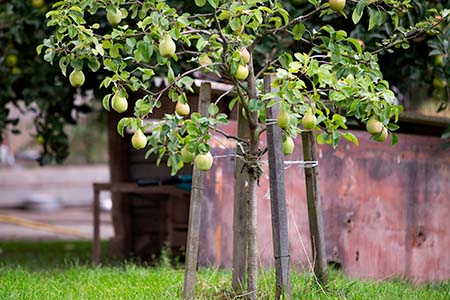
240	209
314	208
278	199
195	208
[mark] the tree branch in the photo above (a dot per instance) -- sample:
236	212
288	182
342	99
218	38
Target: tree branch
296	20
228	136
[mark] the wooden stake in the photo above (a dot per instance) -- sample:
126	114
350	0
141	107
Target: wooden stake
315	209
195	208
278	200
240	210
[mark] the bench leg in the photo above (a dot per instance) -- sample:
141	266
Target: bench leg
96	250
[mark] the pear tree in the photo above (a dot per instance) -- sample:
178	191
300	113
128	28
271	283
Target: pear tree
324	77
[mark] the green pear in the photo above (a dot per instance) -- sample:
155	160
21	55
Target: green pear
76	78
204	162
309	120
283	118
374	126
187	156
114	17
241	72
138	140
119	103
167	46
288	146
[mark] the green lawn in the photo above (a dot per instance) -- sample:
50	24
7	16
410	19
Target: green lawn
61	270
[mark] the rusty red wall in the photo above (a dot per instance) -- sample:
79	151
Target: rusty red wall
386	209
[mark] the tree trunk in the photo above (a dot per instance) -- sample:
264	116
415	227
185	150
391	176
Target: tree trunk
252	247
253	170
240	210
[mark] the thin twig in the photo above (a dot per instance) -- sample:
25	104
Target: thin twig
296	20
223	95
228	136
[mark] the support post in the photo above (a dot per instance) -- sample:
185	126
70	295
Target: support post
240	209
278	200
315	209
195	208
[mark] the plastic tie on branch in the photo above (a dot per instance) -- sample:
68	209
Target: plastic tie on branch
301	163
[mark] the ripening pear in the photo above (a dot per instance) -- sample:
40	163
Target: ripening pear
245	55
241	72
139	140
119	103
167	46
309	120
187	156
374	126
182	109
76	78
204	162
283	118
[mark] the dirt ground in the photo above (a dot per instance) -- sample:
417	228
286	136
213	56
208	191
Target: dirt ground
70	185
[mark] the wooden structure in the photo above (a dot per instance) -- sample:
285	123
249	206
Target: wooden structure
384	208
155	218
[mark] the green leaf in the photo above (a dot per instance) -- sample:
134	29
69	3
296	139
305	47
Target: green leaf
63	63
372	21
358	11
143	52
394	139
39	49
122	124
213	109
106	101
232	103
351	138
213	3
77	64
298	31
201	44
94	64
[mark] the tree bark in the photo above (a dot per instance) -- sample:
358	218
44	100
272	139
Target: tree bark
252	246
253	177
315	209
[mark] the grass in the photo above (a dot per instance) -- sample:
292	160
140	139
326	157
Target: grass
61	270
